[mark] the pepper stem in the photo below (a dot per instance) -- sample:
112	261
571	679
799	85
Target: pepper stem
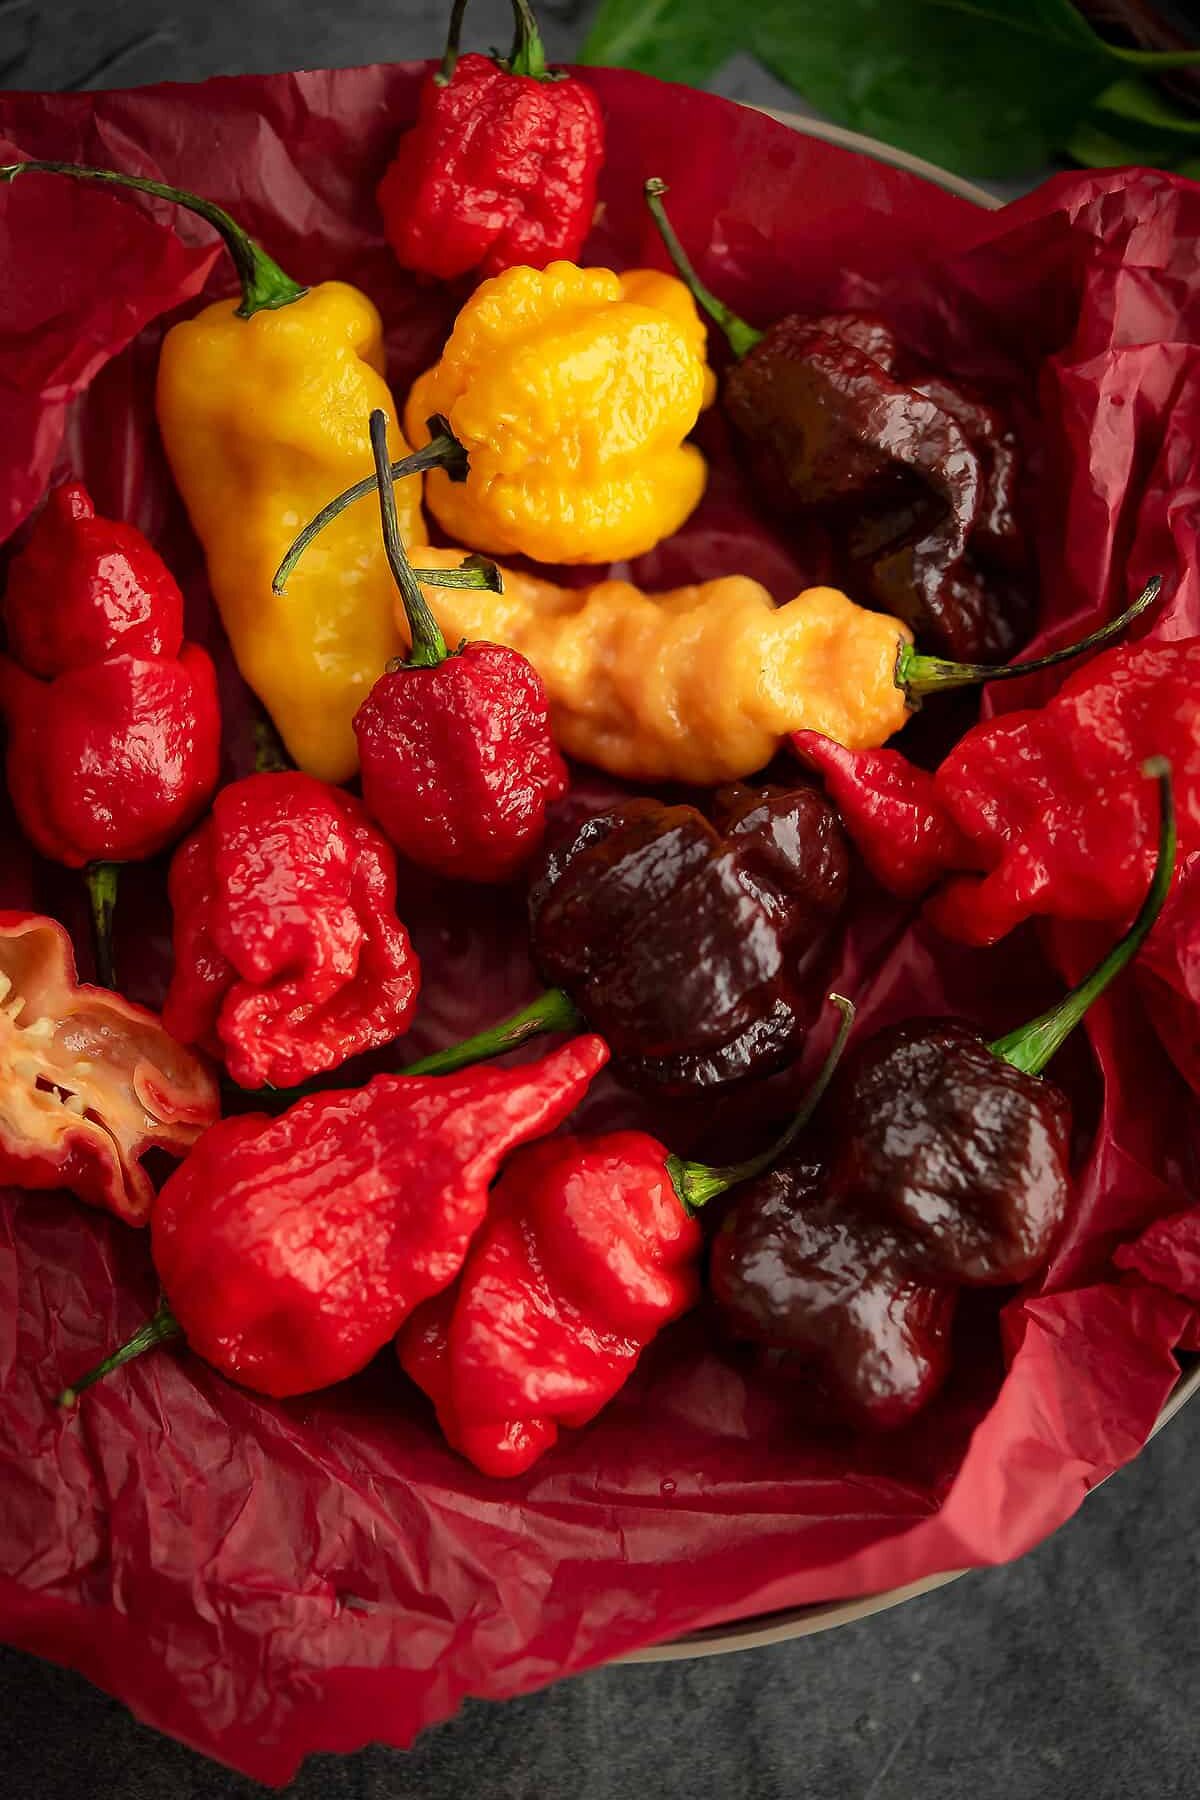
453	40
741	335
1031	1047
270	758
265	287
919	675
696	1183
158	1330
528	54
101	879
551	1011
428	647
443	451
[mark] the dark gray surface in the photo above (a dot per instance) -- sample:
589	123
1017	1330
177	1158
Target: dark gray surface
1071	1675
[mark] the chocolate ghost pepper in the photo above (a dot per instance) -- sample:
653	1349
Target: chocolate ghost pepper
945	1166
291	1249
916	478
687	942
590	1248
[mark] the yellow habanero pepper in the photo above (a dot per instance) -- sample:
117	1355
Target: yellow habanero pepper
572	391
263	408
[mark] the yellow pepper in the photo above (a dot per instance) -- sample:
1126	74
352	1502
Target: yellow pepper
263	408
699	685
572	391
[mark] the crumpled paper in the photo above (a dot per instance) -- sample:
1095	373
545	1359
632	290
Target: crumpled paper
267	1579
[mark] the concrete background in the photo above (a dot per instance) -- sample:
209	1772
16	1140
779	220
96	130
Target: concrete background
1069	1676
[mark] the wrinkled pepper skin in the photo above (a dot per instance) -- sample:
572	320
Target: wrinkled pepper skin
264	419
831	1298
698	685
458	762
291	1249
113	721
499	169
88	1082
572	391
587	1253
289	957
916	479
689	943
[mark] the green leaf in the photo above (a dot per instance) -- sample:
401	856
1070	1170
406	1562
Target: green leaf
1138	103
679	40
987	88
1097	148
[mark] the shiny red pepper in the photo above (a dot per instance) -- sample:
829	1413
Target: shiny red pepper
291	1249
289	957
88	1082
113	723
500	167
458	764
590	1248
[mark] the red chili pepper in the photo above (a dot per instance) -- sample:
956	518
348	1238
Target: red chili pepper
458	764
291	1249
113	721
88	1082
289	957
501	166
590	1248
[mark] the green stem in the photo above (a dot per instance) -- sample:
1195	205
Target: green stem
270	757
1031	1047
101	879
696	1183
551	1011
428	646
919	675
443	451
528	54
742	336
453	40
1152	60
265	287
159	1330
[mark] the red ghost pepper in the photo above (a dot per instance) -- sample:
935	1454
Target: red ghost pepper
291	1249
289	957
88	1082
500	167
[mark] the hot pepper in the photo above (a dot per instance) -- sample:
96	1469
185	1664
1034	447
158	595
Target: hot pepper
289	957
500	167
590	1248
113	721
262	406
915	477
572	391
291	1249
88	1082
702	684
946	1166
693	945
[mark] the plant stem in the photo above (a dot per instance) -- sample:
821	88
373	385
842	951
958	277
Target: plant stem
528	54
1031	1047
742	336
428	647
101	879
919	675
551	1011
269	755
265	287
159	1330
453	40
696	1183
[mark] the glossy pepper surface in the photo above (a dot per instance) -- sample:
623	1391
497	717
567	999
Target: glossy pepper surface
572	391
500	167
113	721
263	406
291	1249
458	764
688	942
88	1082
942	1164
289	956
915	476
